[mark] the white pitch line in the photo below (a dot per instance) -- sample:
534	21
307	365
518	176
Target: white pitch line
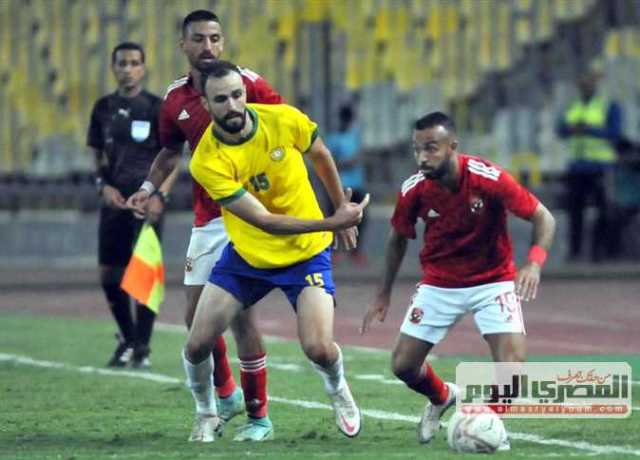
378	378
554	455
278	366
376	414
175	328
154	377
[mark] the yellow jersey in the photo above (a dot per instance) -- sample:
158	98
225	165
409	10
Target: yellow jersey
269	165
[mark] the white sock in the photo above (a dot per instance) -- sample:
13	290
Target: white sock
200	382
333	376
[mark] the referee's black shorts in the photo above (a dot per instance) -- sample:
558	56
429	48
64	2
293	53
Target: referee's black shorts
117	234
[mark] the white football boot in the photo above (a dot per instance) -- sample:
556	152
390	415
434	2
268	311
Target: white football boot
346	411
206	428
430	421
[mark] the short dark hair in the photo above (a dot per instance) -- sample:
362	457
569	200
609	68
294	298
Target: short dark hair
127	46
218	69
197	16
435	119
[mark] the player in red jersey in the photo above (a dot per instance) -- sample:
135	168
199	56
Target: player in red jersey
184	117
466	258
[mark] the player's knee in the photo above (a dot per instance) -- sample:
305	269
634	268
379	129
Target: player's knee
403	368
196	350
515	355
512	352
318	352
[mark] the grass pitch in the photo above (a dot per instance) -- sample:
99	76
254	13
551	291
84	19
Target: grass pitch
58	402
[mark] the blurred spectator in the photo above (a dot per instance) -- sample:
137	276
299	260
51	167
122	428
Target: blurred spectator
346	147
592	125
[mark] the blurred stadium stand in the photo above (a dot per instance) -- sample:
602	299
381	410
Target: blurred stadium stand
503	68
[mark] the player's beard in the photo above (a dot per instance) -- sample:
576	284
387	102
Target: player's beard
202	66
434	173
232	129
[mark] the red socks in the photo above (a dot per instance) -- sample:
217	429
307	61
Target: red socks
253	378
222	376
430	385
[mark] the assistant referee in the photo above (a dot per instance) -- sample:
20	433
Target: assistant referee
123	134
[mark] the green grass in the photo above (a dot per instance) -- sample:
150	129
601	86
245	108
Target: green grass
67	414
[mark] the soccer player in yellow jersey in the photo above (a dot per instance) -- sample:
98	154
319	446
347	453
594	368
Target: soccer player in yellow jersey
250	160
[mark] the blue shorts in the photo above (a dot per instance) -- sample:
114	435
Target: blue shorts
249	284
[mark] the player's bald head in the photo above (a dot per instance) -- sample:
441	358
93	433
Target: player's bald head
434	119
434	145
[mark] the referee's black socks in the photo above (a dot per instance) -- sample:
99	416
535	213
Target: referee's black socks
144	323
120	306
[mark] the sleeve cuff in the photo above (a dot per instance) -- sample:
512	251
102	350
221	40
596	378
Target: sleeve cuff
314	136
231	198
403	230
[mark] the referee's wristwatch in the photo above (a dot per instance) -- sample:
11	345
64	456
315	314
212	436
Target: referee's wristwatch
100	183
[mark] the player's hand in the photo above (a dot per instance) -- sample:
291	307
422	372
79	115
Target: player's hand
138	203
346	239
155	208
378	309
349	214
113	198
527	281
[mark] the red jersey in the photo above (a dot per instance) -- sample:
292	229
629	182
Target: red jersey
466	240
184	118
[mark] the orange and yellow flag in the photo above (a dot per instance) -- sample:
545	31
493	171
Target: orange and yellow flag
144	277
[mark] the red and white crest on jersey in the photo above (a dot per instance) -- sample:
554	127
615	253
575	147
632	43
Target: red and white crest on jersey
476	204
416	314
466	240
183	117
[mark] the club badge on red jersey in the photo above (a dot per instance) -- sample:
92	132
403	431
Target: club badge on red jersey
416	315
476	204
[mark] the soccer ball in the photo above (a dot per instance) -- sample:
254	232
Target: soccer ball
475	433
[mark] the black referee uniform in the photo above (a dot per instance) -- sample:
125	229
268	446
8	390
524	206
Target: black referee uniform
125	131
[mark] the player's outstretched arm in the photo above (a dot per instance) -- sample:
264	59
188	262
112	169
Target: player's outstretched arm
325	167
249	209
162	173
528	277
158	201
396	248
